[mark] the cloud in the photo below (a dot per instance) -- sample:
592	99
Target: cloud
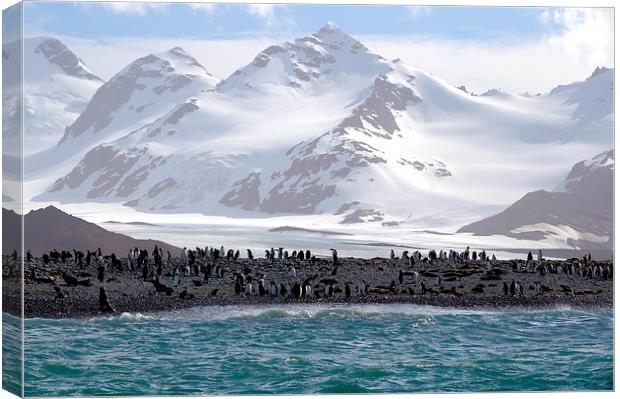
204	7
133	8
577	41
584	33
535	66
419	11
265	12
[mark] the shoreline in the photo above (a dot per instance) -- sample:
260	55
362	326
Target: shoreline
592	302
467	285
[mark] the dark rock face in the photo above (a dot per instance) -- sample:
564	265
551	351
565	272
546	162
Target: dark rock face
244	193
96	159
377	110
57	53
586	206
362	216
295	200
50	228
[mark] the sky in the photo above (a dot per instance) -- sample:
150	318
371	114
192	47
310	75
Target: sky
529	49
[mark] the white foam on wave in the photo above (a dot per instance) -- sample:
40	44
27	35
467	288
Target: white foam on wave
311	311
125	317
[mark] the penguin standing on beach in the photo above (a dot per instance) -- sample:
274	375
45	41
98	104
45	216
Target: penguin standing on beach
404	258
289	290
334	256
273	289
104	302
176	278
250	255
145	271
282	290
308	291
101	273
347	291
237	287
362	288
297	290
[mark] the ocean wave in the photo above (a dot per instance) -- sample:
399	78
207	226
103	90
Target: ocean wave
312	311
125	317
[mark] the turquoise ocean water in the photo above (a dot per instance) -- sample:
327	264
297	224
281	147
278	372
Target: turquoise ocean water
313	349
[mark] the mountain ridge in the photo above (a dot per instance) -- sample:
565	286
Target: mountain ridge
304	129
50	228
582	207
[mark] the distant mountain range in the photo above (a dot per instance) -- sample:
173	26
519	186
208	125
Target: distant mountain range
57	87
50	228
318	125
580	211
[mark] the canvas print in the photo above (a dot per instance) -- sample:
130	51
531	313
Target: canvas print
224	199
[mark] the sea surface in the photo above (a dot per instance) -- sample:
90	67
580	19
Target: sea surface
317	349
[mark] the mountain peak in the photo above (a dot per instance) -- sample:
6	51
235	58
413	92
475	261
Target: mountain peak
331	33
328	52
599	70
172	74
181	59
330	28
56	52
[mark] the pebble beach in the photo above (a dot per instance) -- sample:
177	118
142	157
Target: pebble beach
469	284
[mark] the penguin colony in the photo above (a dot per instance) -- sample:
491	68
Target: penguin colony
221	275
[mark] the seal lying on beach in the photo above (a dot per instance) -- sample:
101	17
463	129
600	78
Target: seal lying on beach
61	294
70	280
159	287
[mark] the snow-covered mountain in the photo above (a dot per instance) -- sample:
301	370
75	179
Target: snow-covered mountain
322	125
148	86
56	88
139	94
313	64
579	212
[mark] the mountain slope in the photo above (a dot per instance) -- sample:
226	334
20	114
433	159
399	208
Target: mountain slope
49	228
580	212
146	87
322	125
57	86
